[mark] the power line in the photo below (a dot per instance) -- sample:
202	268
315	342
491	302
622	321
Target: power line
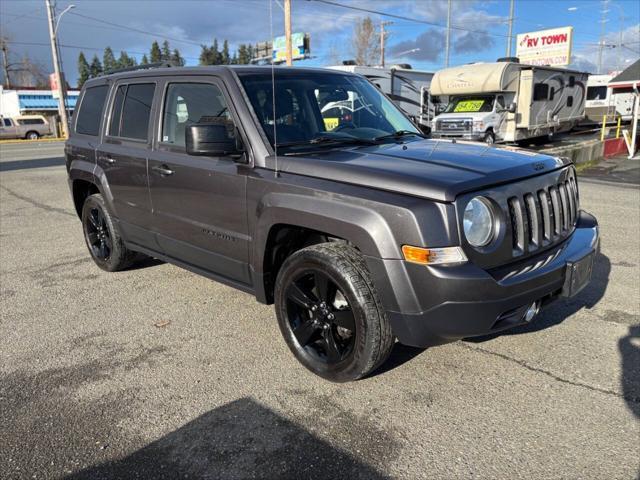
145	32
408	19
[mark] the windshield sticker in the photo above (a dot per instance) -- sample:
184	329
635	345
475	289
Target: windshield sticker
331	123
469	106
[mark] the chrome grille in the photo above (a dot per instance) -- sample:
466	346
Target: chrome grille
543	217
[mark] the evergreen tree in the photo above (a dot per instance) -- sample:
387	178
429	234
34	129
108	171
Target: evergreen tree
234	59
126	61
176	58
165	54
215	53
224	56
243	54
84	71
96	67
155	55
145	60
109	60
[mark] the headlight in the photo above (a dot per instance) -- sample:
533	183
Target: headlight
478	222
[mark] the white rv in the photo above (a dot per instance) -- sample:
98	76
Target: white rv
407	88
508	101
602	101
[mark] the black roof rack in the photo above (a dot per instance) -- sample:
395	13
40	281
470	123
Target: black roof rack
141	67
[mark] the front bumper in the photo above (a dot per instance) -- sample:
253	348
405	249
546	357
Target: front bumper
472	136
439	304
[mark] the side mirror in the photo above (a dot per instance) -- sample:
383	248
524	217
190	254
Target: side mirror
211	139
512	107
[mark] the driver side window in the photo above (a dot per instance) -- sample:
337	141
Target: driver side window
190	103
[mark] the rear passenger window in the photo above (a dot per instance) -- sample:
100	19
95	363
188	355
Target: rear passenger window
136	111
88	120
190	103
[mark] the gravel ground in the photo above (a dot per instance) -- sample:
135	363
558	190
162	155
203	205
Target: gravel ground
92	385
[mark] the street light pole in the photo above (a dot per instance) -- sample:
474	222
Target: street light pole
382	40
603	21
62	111
448	38
510	36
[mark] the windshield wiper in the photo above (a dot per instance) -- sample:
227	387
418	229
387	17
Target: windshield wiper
399	134
327	140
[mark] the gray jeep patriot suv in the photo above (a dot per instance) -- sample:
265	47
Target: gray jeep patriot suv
309	189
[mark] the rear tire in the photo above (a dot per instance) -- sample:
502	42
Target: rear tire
329	312
103	238
32	136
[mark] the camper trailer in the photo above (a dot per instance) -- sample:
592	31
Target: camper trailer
508	101
407	88
601	101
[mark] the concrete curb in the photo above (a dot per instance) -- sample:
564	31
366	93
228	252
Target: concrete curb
582	152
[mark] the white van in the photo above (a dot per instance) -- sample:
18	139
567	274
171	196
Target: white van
601	100
508	101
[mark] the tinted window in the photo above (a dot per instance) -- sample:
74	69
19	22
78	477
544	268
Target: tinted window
569	101
116	112
7	122
597	93
190	103
88	122
31	121
540	92
552	93
572	81
136	111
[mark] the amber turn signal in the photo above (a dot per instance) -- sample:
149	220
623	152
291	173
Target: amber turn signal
432	256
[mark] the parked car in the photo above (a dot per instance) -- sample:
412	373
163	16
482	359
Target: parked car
508	101
30	127
358	235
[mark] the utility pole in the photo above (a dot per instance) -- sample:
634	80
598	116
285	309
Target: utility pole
448	38
510	36
56	65
382	40
287	31
5	63
603	21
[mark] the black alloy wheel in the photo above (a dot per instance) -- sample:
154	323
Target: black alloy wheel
103	237
320	317
98	235
329	312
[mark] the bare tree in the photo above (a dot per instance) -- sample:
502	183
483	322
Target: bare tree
24	72
366	42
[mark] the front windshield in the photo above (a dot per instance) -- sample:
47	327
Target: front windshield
471	104
311	106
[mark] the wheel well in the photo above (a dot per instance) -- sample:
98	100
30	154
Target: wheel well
284	240
26	135
81	190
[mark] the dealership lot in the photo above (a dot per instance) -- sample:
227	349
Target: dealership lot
161	373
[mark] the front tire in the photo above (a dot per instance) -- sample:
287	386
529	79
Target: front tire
32	136
103	238
329	313
489	138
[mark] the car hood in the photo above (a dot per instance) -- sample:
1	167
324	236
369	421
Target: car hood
435	169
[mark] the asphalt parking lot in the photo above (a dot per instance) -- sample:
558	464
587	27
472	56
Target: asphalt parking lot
158	373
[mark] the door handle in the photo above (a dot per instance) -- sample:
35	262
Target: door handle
109	160
163	170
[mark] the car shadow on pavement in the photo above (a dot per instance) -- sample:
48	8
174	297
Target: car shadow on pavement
146	262
629	347
241	439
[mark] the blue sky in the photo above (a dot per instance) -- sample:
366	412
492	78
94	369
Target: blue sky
479	35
